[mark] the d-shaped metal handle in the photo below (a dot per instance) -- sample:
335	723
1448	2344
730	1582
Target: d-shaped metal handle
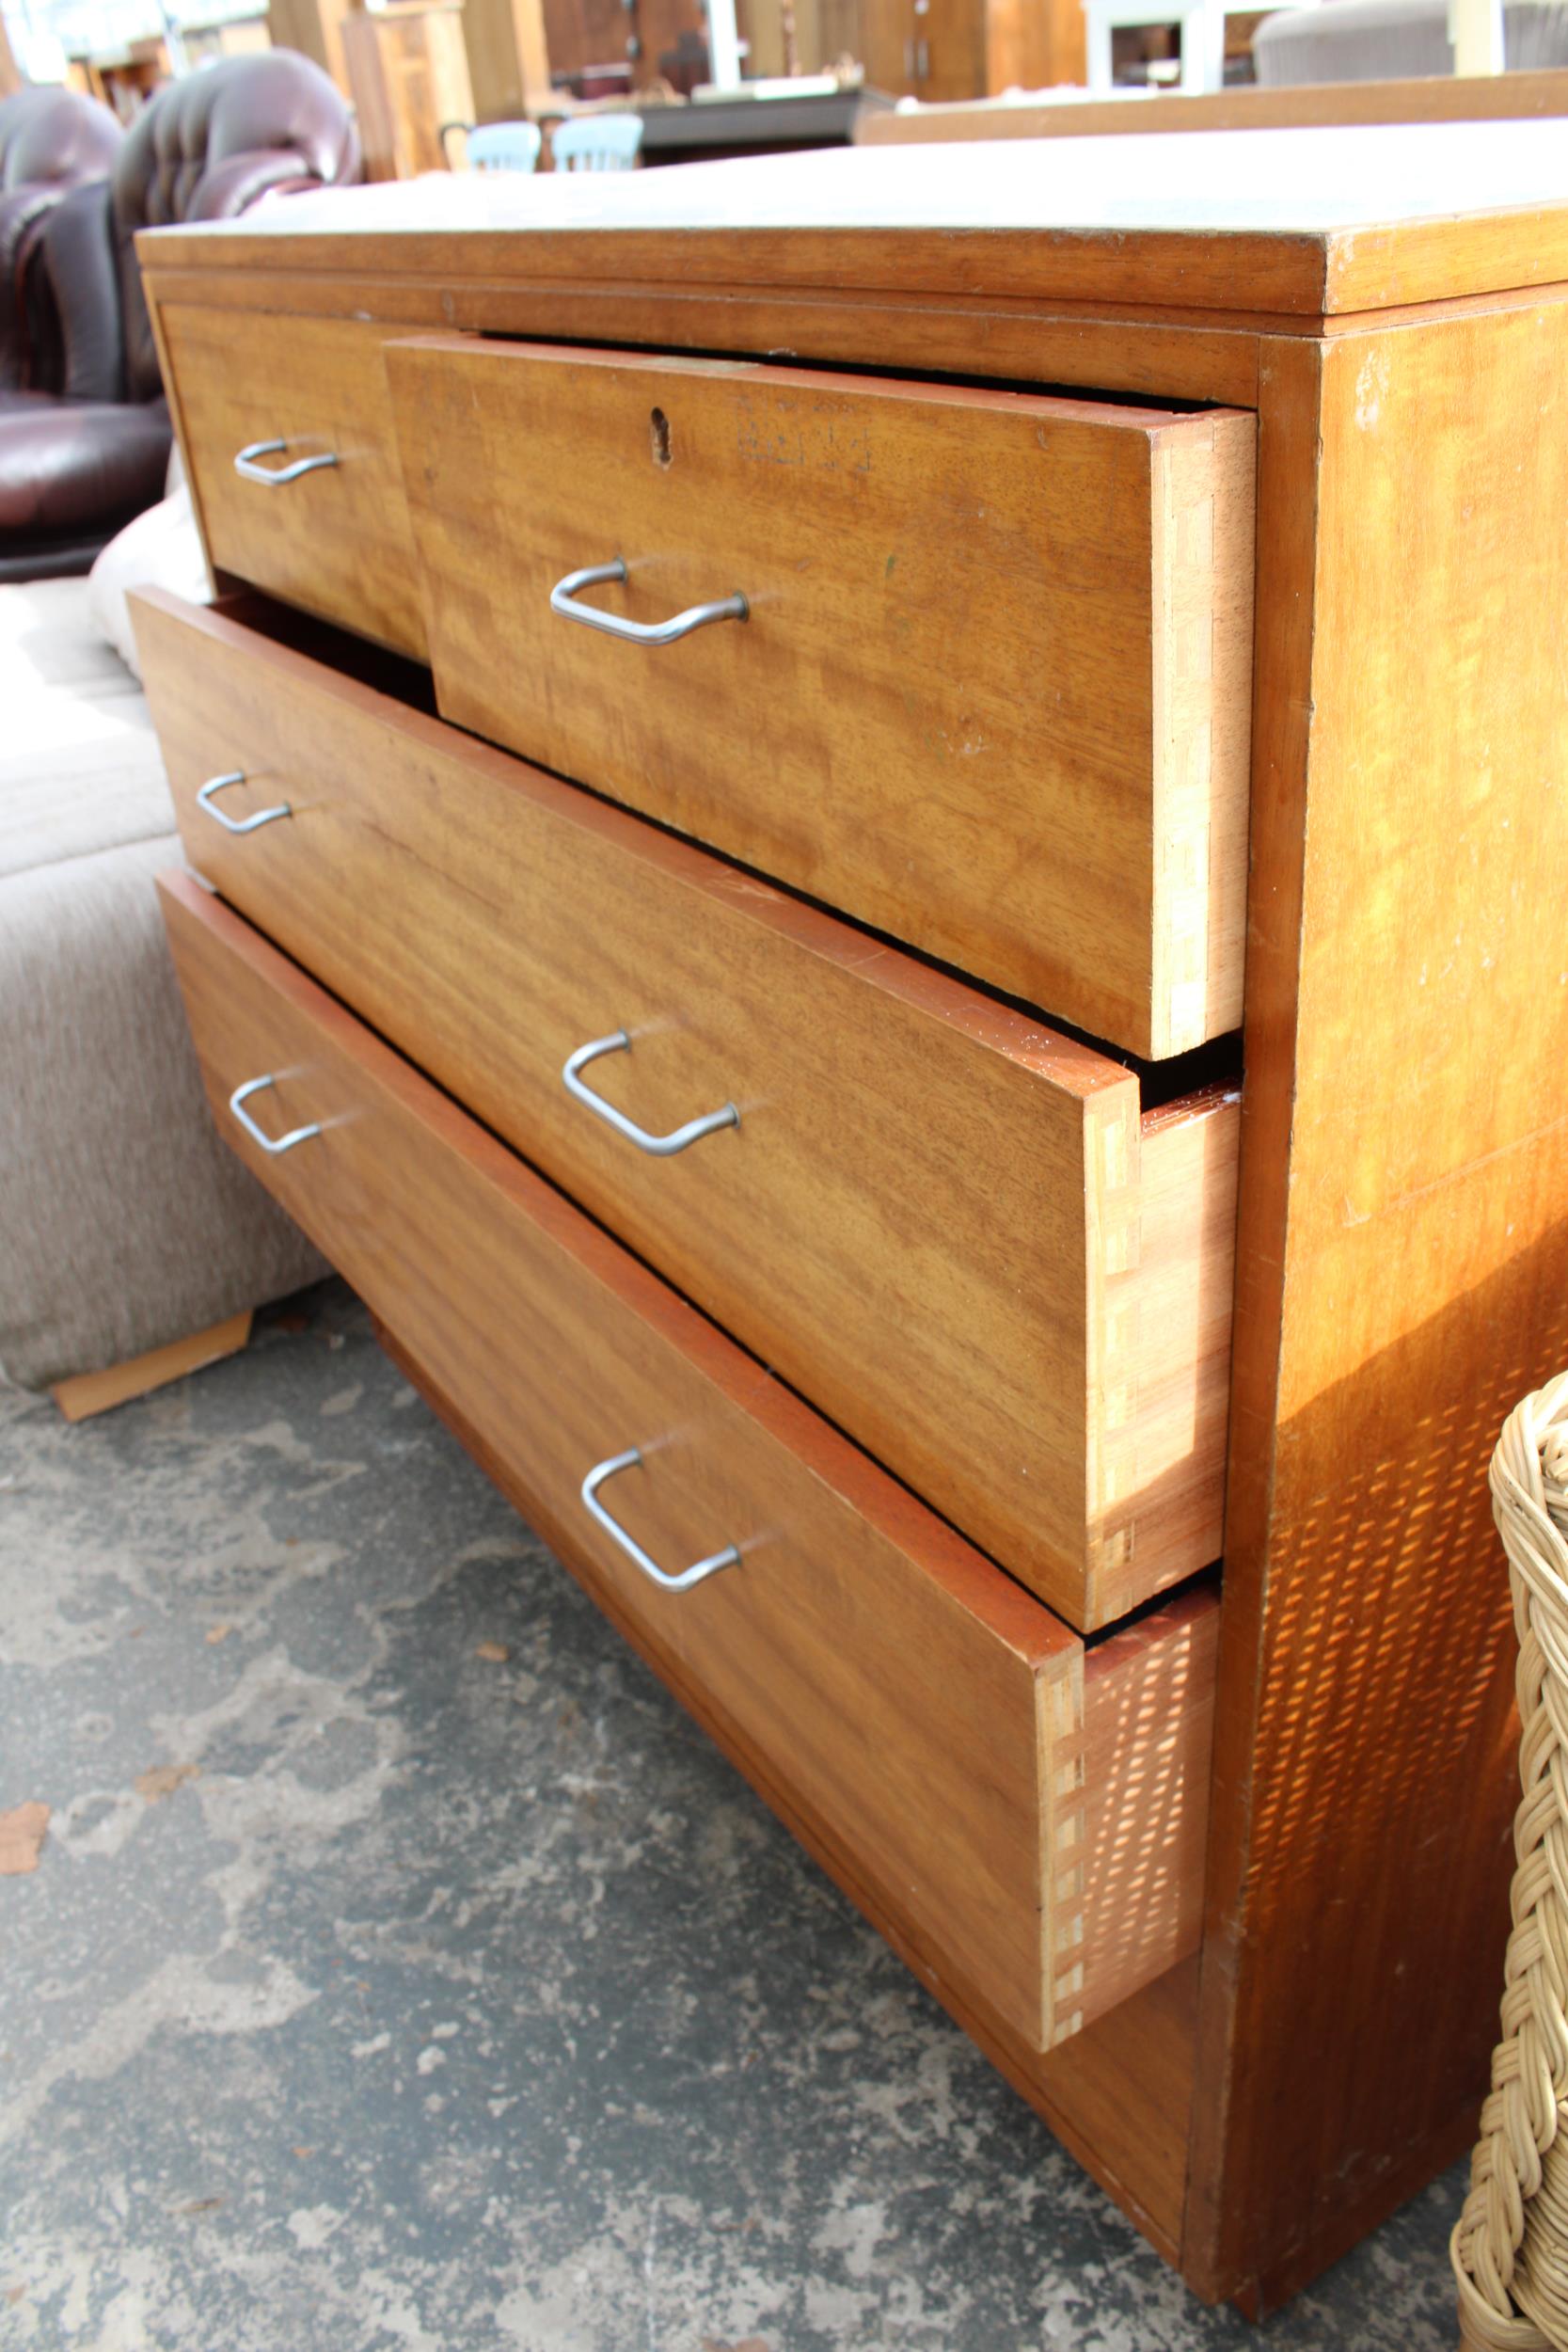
660	1146
639	632
632	1459
206	800
274	477
274	1144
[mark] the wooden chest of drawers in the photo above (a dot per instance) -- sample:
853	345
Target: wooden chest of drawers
762	1020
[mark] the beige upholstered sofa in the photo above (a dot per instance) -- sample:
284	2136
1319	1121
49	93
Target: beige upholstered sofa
124	1223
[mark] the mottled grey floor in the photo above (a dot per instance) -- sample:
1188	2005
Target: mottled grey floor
449	2002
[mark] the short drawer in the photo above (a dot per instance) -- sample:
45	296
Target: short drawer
939	1727
285	396
978	670
955	1229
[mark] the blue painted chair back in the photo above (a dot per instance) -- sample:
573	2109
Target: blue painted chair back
504	147
596	143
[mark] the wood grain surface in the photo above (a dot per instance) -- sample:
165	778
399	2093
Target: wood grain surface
945	1222
992	693
335	541
1166	354
1402	1271
1298	277
1403	1234
913	1695
1149	1712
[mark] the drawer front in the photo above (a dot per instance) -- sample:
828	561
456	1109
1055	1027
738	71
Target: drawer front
900	1689
943	1222
333	539
991	690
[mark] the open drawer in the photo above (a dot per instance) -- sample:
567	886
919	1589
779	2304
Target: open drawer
289	444
956	1231
1034	1819
972	665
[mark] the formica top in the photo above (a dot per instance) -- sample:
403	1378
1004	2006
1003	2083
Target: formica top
1315	221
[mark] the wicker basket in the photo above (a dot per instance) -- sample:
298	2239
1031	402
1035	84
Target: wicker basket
1510	2250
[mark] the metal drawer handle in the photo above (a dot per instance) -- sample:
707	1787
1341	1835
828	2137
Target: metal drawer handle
206	799
237	1102
660	1146
275	476
563	594
632	1459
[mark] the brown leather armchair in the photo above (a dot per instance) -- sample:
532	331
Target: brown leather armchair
85	442
50	140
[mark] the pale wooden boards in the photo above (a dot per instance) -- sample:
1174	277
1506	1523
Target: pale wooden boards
85	1394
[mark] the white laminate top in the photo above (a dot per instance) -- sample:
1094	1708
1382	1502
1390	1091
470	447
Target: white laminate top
1289	181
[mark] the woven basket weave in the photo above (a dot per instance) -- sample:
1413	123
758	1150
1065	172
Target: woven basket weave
1509	2248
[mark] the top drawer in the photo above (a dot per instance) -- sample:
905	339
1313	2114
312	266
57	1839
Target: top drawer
980	674
331	537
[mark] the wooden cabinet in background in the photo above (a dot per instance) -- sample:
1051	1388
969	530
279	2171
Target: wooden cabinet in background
954	49
509	59
633	33
315	29
408	72
825	31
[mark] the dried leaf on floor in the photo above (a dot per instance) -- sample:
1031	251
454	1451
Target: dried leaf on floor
200	2204
219	1633
163	1780
497	1652
22	1834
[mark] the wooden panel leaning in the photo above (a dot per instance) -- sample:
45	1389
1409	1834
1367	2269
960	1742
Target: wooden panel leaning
903	1688
947	1224
317	515
978	665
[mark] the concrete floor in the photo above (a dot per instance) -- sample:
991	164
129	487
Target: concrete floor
373	1993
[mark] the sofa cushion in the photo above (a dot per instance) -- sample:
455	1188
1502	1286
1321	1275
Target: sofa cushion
49	643
80	769
125	1222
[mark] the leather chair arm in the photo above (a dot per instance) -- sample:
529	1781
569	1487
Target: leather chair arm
77	464
73	300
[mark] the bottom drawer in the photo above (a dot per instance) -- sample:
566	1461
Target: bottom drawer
1032	1819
